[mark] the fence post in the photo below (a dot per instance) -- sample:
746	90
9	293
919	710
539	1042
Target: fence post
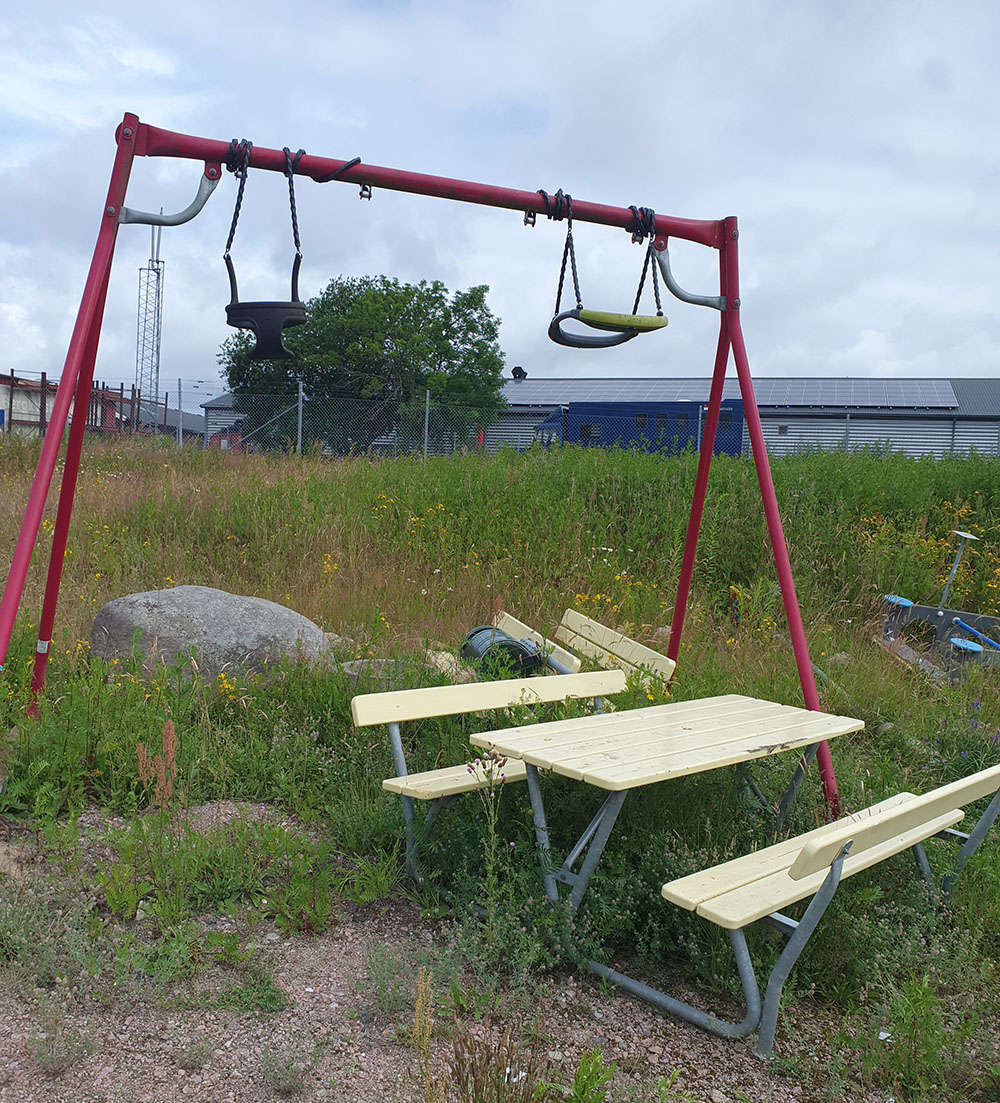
43	405
427	421
298	442
180	418
10	409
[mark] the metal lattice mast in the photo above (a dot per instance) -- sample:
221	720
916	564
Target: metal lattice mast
147	342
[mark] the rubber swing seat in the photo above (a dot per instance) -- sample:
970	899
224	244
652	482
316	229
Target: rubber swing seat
619	327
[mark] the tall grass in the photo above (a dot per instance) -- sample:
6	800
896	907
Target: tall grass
431	544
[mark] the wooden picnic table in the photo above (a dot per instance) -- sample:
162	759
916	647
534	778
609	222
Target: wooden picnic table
629	749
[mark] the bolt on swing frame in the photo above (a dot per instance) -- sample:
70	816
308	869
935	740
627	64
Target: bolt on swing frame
135	139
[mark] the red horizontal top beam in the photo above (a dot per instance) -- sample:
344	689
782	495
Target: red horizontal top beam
151	141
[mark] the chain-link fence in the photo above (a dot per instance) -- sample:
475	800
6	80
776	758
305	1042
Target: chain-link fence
344	426
348	426
291	422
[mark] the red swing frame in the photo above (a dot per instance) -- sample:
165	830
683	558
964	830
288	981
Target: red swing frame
135	139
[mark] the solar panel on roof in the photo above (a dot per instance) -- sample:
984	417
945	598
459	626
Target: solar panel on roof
775	392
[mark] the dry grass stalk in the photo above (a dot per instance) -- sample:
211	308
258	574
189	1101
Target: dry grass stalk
159	771
423	1027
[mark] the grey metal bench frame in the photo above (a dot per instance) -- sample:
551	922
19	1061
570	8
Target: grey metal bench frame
753	888
440	786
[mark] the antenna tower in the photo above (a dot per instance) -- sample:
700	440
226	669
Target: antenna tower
147	344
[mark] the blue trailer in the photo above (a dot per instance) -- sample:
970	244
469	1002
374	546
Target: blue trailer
669	427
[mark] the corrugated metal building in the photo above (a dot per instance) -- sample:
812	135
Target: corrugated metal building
916	416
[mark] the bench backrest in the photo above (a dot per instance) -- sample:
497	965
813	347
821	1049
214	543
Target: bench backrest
894	822
513	627
398	705
608	648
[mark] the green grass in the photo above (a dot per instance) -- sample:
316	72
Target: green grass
400	555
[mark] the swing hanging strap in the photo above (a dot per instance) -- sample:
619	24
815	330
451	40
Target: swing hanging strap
291	164
238	163
557	207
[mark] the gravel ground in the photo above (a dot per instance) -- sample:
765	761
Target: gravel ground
337	1039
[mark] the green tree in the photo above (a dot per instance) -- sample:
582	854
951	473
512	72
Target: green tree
370	351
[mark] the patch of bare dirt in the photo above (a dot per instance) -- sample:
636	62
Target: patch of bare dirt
338	1038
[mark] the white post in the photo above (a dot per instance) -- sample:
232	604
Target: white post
180	418
298	446
427	422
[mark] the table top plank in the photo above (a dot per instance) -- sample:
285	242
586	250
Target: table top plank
610	725
627	734
623	770
626	749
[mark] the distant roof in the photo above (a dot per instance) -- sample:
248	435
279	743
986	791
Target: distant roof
941	397
224	402
154	416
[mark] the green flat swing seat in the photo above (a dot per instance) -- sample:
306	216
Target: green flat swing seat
623	327
641	323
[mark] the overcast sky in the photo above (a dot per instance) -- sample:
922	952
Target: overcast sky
856	141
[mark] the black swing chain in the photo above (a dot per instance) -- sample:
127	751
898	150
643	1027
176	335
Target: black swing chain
645	224
291	164
238	163
562	204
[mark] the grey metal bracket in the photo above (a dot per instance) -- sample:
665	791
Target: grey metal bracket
798	776
206	185
716	302
751	789
590	846
972	842
781	922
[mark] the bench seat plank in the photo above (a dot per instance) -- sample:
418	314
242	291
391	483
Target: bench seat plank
695	888
742	906
449	781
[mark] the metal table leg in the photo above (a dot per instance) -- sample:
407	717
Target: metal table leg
590	846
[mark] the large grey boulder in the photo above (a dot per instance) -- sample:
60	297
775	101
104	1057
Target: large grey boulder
224	631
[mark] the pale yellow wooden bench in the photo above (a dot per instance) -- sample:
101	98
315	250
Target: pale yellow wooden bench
577	635
755	887
440	785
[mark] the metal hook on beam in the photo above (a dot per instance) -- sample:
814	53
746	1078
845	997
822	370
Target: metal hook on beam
717	302
206	185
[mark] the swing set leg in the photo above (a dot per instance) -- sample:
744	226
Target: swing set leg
731	337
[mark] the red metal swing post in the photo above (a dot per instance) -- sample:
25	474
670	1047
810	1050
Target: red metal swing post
137	139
